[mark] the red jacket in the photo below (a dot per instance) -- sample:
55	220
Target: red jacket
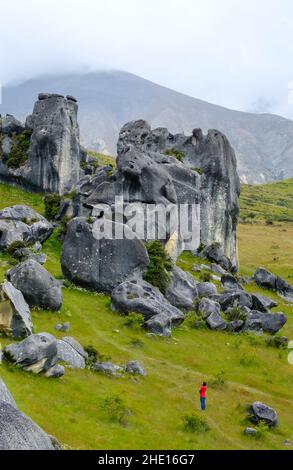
202	392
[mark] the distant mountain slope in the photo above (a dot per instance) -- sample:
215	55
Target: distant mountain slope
263	142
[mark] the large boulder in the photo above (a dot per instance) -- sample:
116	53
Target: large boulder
54	153
267	280
262	303
181	291
37	353
230	299
267	322
208	306
261	412
5	394
230	282
22	224
142	297
9	125
15	317
18	432
39	288
101	264
206	289
71	352
215	253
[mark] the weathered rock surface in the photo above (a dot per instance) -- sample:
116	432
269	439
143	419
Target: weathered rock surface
54	154
108	368
23	254
53	159
37	353
207	306
215	321
39	288
267	322
22	224
230	282
262	303
5	394
142	297
135	368
15	317
215	159
206	289
261	412
101	264
181	291
215	253
55	372
18	432
71	352
267	280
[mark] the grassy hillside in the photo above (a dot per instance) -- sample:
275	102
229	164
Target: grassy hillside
239	369
267	203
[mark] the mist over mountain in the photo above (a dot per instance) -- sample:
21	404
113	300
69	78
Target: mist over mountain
107	100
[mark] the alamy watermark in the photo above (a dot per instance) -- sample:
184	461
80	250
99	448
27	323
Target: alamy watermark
147	222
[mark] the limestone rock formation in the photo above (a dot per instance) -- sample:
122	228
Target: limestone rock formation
15	317
182	289
37	353
213	157
101	264
22	224
71	352
38	286
18	432
5	394
262	412
267	280
45	153
142	297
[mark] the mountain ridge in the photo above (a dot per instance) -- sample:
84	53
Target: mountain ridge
107	99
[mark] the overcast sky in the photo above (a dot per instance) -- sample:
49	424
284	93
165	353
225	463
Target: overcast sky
237	53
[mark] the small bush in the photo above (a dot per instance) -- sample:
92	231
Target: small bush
134	320
279	342
16	246
94	356
52	205
219	381
235	314
159	267
175	153
195	424
19	150
205	277
247	360
116	409
269	222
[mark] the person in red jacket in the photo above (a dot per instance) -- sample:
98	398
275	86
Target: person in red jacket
202	395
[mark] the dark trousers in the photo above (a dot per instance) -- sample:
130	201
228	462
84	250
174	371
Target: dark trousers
203	403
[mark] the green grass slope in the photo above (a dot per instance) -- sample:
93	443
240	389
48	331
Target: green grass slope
239	369
267	203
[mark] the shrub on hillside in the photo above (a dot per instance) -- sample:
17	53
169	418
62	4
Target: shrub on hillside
52	205
19	151
134	320
195	424
158	272
116	409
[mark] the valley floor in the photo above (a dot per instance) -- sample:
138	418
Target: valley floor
239	369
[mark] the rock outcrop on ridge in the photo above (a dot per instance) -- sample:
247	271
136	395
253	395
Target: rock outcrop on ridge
44	153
